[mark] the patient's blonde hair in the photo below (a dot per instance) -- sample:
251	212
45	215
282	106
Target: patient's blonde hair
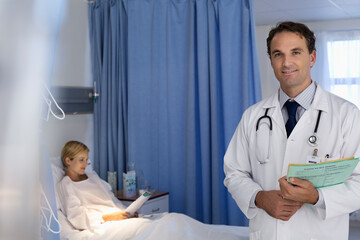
72	149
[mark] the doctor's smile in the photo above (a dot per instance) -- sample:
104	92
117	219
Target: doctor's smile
289	71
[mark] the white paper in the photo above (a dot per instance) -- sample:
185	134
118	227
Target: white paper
138	203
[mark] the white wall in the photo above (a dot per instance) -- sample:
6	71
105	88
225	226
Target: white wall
268	81
71	68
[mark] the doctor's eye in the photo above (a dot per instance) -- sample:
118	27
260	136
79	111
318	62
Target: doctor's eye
277	54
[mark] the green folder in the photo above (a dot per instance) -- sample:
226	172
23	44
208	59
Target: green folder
324	174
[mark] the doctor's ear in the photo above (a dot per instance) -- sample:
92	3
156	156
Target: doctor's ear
312	58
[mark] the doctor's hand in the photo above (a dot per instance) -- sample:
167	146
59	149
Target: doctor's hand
275	205
300	190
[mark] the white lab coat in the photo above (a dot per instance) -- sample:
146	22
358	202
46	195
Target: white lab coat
339	136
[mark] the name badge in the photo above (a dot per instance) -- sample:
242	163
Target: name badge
313	159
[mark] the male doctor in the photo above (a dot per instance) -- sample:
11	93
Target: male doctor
257	157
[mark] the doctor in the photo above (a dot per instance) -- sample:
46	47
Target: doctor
300	122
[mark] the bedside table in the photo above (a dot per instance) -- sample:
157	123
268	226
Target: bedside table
158	202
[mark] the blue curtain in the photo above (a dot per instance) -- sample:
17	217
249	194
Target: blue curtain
174	78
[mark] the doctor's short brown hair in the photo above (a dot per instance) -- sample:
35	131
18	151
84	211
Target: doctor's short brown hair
295	27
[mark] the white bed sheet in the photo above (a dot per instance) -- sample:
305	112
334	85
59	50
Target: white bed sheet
162	226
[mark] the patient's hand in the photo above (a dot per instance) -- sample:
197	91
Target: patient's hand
116	216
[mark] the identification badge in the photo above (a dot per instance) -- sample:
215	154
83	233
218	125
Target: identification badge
313	159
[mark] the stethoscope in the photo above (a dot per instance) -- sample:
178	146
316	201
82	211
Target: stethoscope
312	140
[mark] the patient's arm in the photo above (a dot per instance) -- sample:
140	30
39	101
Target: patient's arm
117	216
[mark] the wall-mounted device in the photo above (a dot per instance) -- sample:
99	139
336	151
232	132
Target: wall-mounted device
75	100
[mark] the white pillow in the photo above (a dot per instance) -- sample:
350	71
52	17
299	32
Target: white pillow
57	168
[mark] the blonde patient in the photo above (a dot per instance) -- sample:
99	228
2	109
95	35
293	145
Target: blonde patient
87	205
74	157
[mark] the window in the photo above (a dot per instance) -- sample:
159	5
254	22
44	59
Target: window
344	65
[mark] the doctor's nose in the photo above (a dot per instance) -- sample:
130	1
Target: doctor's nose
286	61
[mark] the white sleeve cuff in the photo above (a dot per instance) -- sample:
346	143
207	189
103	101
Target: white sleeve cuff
320	203
252	200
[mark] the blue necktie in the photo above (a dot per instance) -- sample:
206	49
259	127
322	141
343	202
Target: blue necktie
291	122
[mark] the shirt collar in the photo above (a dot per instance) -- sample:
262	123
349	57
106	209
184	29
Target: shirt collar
305	98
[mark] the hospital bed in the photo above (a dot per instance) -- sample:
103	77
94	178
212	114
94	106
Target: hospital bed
161	226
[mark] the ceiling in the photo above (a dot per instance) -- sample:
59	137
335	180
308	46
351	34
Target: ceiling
269	12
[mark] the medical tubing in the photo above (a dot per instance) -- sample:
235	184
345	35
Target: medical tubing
48	102
52	215
265	116
317	122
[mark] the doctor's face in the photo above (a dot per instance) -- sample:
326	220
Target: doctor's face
291	62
